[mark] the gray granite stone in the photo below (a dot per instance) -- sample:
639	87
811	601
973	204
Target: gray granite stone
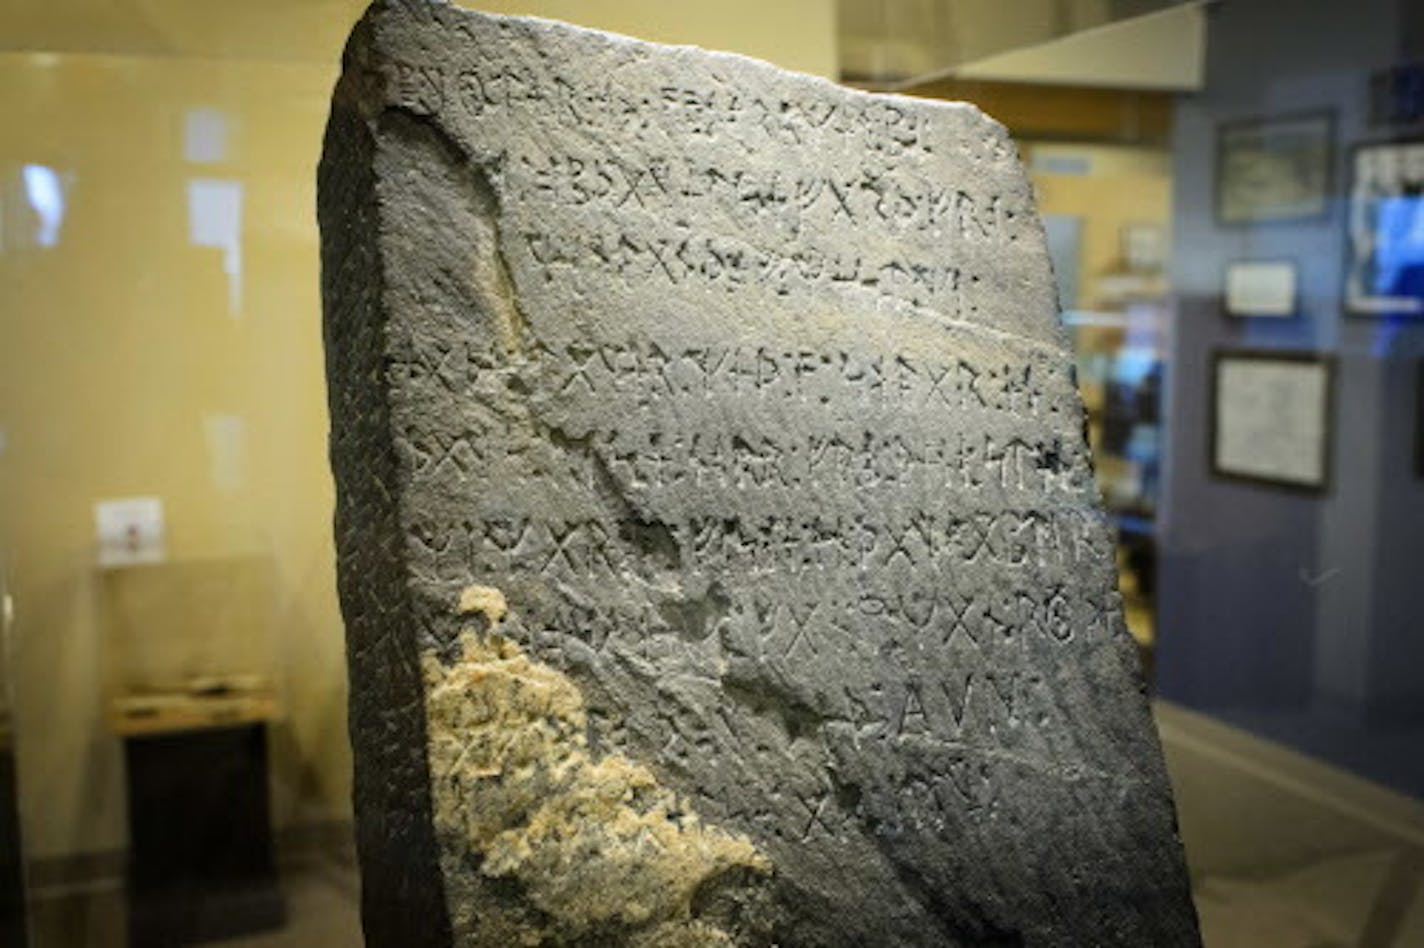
719	550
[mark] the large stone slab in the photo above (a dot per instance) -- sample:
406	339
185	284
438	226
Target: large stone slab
719	551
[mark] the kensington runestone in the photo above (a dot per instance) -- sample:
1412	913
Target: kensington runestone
719	549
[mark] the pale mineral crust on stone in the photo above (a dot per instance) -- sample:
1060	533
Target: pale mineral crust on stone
598	850
747	393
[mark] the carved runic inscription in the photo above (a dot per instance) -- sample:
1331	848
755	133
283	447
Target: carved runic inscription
744	397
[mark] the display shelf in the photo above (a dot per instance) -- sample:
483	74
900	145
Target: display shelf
159	713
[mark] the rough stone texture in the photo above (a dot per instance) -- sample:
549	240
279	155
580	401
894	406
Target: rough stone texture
748	394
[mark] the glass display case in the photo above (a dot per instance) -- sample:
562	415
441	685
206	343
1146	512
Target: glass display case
1231	197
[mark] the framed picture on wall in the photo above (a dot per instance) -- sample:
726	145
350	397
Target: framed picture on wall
1271	417
1274	170
1384	273
1261	288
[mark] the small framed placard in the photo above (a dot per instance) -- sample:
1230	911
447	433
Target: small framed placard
1261	288
1270	418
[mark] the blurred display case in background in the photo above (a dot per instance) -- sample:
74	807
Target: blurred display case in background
14	929
190	645
191	672
1120	370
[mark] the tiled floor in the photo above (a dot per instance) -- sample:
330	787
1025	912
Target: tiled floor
321	900
1323	891
1331	903
322	911
1326	905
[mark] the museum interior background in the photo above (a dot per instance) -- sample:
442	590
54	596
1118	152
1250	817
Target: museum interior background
160	341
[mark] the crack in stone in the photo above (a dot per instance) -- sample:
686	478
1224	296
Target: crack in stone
798	720
694	618
493	278
650	536
503	299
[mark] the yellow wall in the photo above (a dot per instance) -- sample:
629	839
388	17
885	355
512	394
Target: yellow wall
1122	186
120	341
796	34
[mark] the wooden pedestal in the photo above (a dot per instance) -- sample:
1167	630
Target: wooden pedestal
201	864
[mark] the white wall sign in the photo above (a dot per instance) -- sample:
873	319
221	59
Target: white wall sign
130	530
227	450
1261	288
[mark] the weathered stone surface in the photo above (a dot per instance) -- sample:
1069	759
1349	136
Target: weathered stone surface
747	394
